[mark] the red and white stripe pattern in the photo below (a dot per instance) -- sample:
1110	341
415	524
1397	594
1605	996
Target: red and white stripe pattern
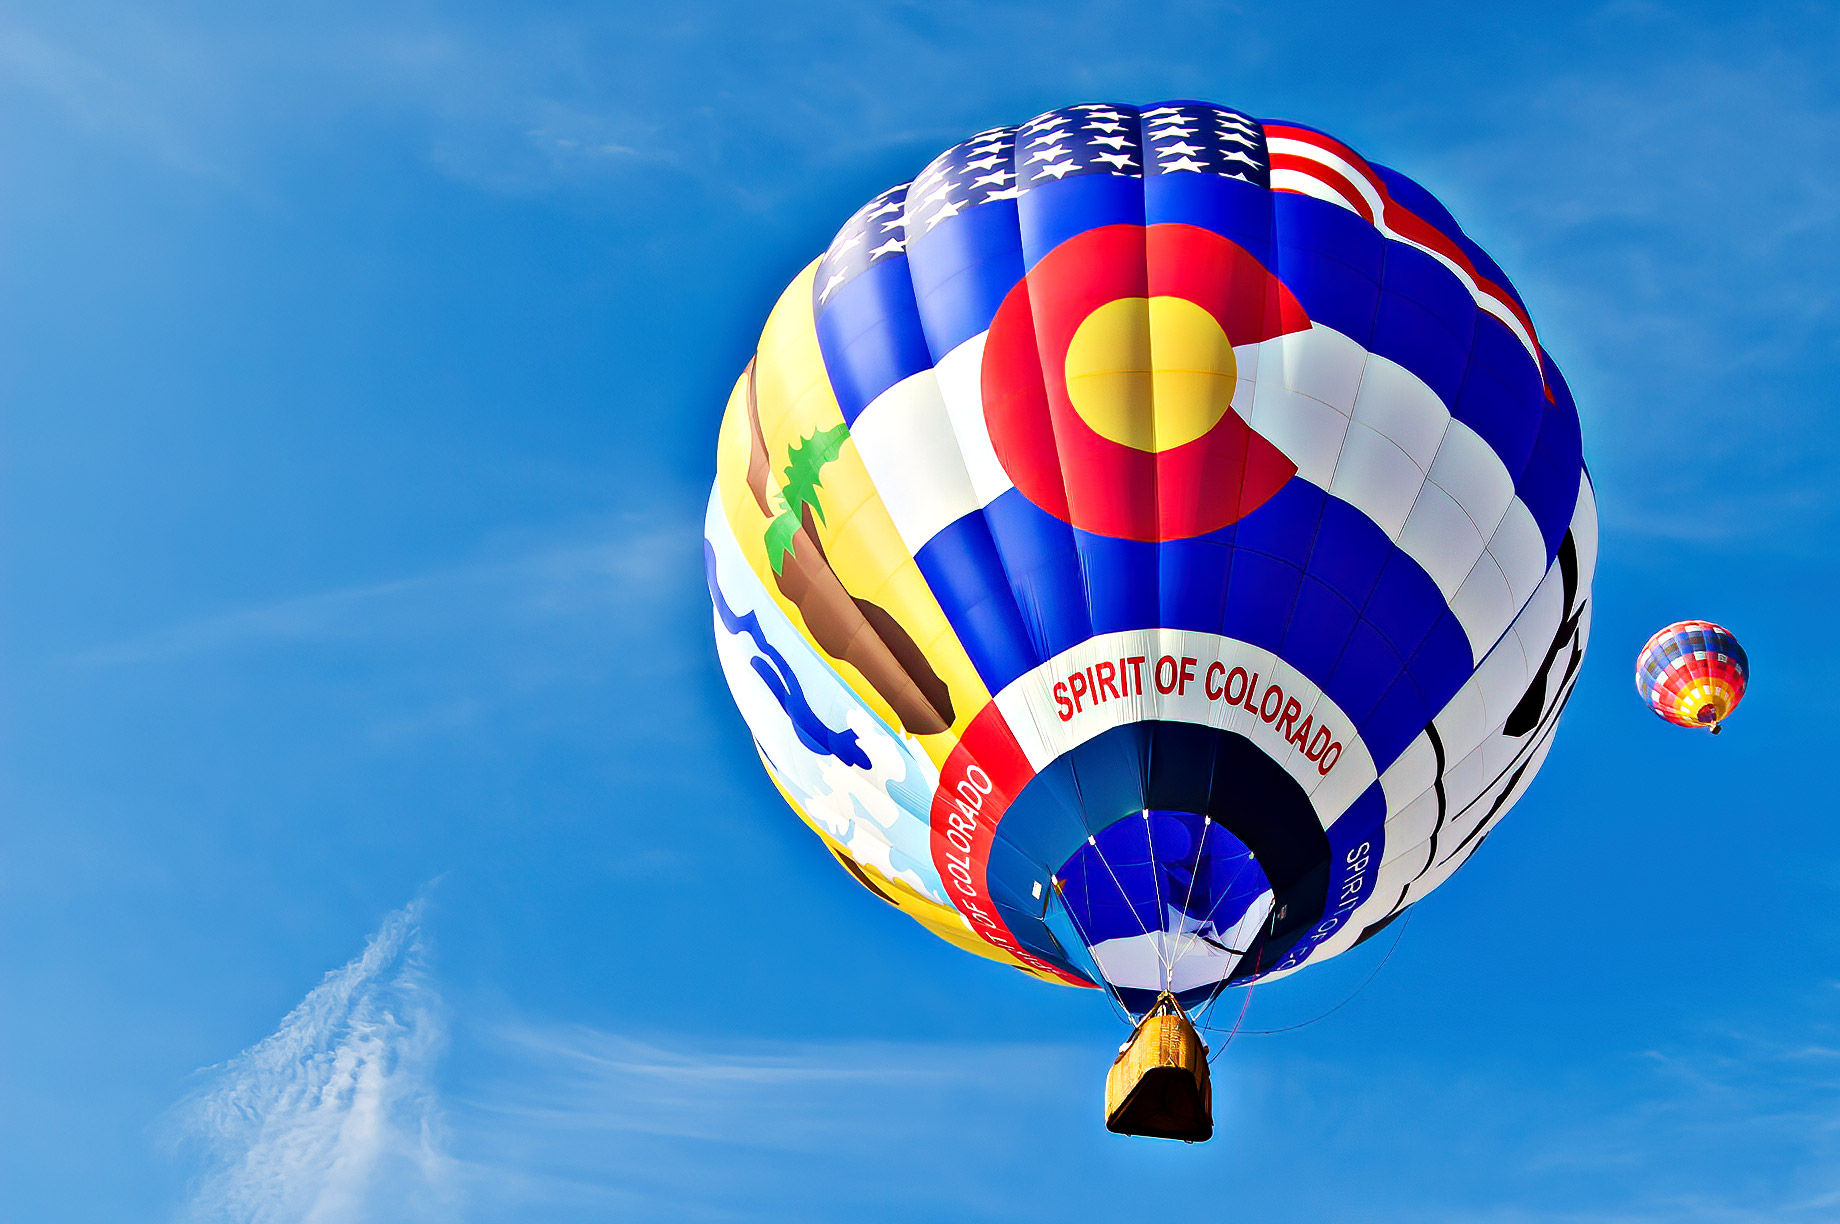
1310	163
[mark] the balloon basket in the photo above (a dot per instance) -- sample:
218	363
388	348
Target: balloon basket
1158	1085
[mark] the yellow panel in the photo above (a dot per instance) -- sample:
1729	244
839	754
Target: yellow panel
794	401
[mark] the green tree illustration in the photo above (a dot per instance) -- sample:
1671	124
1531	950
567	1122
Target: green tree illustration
803	478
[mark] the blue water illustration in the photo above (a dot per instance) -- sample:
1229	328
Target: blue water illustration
782	681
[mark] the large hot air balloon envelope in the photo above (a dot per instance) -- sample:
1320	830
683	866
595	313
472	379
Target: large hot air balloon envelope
1693	674
1151	548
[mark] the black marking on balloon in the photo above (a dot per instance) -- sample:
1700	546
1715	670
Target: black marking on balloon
862	877
1437	749
1532	714
1526	712
1379	926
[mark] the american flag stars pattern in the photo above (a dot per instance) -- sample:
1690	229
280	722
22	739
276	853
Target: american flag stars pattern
1004	163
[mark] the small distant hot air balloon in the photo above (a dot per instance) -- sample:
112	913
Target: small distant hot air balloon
1693	673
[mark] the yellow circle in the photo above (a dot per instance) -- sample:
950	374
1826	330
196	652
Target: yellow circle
1151	373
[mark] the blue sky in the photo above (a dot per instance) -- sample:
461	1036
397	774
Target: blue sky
379	842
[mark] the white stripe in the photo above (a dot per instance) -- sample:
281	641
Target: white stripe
1306	184
961	374
1048	724
906	441
1322	156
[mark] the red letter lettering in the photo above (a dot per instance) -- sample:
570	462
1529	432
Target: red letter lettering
1292	708
1271	703
1239	674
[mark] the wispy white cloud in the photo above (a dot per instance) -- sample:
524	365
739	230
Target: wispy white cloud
573	1122
629	564
333	1118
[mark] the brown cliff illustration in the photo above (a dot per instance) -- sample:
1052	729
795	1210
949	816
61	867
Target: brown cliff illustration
856	631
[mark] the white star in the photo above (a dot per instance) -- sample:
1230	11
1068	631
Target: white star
1166	133
892	205
1236	155
1239	138
830	286
1119	160
1161	110
984	180
1059	170
1042	121
1107	126
1181	163
847	243
1045	138
1117	142
939	193
1181	146
984	163
1008	193
893	246
1048	155
948	209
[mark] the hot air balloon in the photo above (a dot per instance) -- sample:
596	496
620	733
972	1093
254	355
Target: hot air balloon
1693	674
1152	550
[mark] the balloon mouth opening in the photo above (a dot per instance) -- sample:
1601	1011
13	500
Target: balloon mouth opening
1708	714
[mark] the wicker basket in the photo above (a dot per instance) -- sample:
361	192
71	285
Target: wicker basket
1158	1085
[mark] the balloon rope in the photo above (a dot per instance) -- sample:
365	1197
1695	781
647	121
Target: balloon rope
1407	916
1241	1018
1105	983
1207	826
1208	919
1163	952
1124	896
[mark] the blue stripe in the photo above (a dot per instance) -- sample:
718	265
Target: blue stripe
1054	212
962	566
962	269
871	337
1331	260
1425	320
1501	397
1239	211
1548	484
